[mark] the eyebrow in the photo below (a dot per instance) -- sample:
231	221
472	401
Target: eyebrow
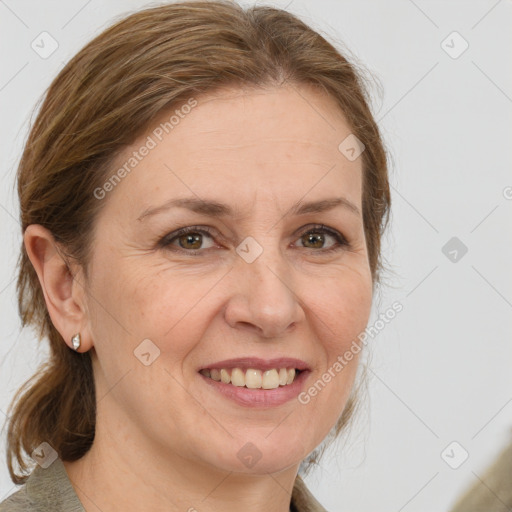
213	208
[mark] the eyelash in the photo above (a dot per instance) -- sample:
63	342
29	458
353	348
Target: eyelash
165	242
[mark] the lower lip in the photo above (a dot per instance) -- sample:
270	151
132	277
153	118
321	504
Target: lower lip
259	397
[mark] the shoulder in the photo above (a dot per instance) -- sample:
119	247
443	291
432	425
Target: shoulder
46	490
303	500
492	489
18	501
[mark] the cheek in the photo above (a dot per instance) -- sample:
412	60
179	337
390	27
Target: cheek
343	307
171	307
128	305
167	301
341	312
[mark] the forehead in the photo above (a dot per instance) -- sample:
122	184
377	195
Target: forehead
239	140
290	114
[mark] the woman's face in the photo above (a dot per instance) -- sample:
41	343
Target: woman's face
264	282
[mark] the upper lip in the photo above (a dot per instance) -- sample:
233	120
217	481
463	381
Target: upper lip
258	363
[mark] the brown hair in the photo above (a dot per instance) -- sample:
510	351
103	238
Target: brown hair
101	101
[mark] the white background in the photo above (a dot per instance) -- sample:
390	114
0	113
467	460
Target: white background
440	372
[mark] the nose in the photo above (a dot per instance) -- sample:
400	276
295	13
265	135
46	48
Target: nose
264	299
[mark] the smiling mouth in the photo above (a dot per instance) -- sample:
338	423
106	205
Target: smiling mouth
253	378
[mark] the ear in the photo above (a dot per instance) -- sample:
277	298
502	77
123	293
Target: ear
63	288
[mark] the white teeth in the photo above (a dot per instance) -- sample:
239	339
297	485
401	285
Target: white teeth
252	378
237	377
270	379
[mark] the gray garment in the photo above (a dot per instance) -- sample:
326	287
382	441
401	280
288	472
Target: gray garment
49	490
46	490
492	488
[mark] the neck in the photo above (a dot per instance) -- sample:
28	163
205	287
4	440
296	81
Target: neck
122	471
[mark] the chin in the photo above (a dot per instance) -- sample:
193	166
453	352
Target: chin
263	453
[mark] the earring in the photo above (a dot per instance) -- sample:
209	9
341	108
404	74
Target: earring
76	341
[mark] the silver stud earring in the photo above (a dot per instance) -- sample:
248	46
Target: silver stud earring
76	341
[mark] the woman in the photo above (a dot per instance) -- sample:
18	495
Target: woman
203	195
